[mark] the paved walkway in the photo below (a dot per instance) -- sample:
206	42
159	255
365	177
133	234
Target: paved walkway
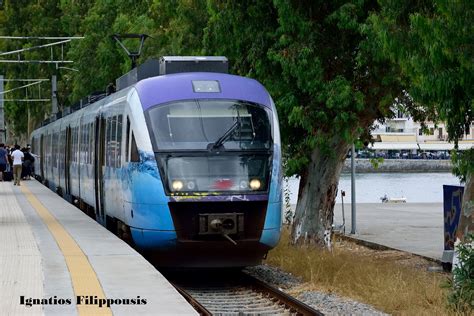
20	257
411	227
50	251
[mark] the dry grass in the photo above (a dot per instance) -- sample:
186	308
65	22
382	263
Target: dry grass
392	281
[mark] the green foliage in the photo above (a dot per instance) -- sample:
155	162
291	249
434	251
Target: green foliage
376	162
461	297
463	163
175	27
315	58
431	41
96	56
332	67
27	18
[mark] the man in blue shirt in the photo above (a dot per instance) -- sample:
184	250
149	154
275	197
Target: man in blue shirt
3	160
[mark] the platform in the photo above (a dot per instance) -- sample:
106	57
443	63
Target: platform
412	227
52	255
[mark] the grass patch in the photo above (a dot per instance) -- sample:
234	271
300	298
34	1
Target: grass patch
392	281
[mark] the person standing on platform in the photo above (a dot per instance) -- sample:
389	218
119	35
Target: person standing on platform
17	156
3	160
9	154
28	161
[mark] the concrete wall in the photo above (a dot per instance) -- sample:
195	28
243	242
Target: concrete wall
399	165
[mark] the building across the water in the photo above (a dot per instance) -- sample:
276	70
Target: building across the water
402	133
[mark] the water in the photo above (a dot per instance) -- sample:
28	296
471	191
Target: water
415	187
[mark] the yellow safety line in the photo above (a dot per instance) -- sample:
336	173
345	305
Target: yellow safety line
83	276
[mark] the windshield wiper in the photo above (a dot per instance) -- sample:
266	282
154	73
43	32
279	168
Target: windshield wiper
218	143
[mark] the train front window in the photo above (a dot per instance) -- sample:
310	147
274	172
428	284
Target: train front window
215	173
208	124
212	145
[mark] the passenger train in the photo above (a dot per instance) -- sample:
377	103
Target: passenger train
185	166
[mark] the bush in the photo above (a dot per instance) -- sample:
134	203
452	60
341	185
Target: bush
461	297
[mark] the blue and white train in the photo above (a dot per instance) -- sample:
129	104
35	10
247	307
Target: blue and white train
185	166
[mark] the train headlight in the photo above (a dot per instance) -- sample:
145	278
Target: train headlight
190	185
177	185
244	184
255	184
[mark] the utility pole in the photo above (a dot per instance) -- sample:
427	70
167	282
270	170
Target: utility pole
353	192
54	95
2	115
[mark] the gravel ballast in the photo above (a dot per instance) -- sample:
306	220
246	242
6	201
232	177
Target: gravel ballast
329	304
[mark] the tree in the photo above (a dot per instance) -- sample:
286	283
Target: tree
26	18
432	42
330	85
96	56
178	27
175	27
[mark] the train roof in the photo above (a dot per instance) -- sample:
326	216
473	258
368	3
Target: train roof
173	78
182	86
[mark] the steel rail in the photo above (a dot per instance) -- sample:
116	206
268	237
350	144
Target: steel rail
195	304
295	306
246	295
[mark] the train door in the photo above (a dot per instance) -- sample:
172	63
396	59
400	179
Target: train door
99	163
67	161
42	156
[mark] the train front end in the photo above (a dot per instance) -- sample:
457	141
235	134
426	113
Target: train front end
216	143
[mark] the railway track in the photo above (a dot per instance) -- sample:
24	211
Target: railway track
236	293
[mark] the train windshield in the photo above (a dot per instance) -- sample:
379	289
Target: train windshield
212	145
210	124
229	172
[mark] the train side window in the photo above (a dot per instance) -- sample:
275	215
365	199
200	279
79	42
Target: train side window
83	135
62	150
127	142
91	141
50	149
81	145
55	149
74	144
74	141
107	141
119	140
134	156
47	145
113	143
33	145
86	143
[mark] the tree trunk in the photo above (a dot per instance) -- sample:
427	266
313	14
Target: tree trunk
318	188
466	222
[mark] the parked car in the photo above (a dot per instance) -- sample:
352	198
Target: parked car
365	154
